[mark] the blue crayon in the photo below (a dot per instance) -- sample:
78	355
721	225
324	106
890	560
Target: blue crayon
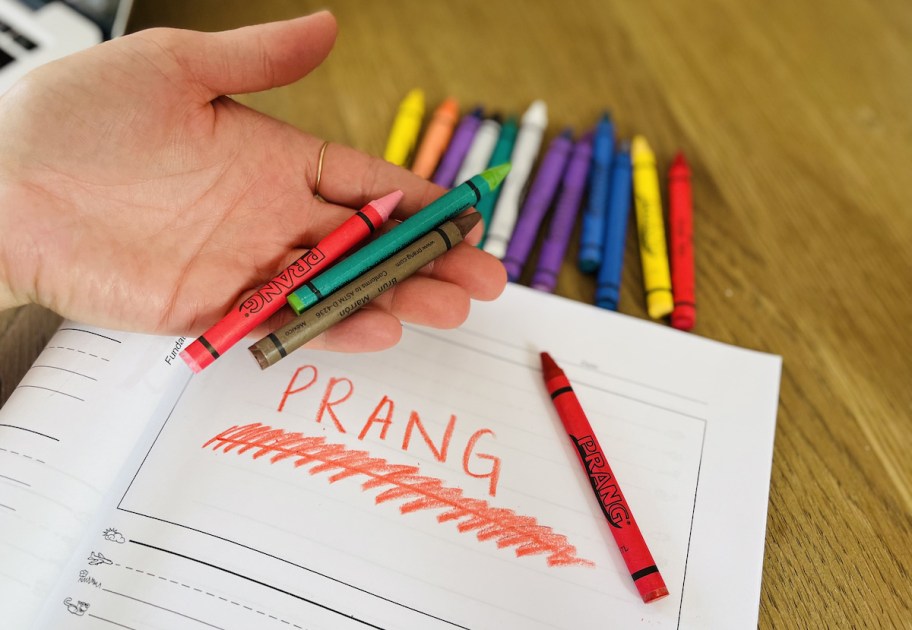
608	285
592	235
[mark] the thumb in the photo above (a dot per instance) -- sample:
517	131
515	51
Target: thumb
255	58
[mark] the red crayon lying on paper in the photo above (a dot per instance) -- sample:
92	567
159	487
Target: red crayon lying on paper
271	296
624	528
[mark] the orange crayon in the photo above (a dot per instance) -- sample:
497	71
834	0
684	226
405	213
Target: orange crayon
436	138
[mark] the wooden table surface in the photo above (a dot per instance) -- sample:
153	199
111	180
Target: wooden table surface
797	120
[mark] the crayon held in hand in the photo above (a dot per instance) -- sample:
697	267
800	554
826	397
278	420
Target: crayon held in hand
624	528
356	294
272	296
432	215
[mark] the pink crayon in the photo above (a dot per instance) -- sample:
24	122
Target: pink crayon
271	296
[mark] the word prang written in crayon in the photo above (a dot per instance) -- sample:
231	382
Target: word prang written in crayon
339	390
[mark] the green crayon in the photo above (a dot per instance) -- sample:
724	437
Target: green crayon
449	205
360	291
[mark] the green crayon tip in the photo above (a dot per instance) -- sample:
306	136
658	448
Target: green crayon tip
496	174
296	303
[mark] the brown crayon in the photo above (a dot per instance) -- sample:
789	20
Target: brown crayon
360	291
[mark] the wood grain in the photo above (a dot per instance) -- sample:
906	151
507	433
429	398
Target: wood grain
795	117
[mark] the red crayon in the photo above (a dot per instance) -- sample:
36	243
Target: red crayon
680	228
271	296
626	534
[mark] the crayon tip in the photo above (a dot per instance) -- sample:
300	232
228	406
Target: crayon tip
466	222
260	357
549	367
477	112
414	97
496	174
605	125
449	107
683	317
196	361
387	203
567	133
654	595
640	150
679	165
537	114
296	303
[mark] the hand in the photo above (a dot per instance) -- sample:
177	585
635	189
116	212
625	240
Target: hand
134	195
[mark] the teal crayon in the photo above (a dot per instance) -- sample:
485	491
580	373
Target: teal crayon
444	208
501	155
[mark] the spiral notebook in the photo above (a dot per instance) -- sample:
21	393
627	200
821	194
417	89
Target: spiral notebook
427	486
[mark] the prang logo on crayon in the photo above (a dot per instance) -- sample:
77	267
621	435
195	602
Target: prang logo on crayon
610	498
282	284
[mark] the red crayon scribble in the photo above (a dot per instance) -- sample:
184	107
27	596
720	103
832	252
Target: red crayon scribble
503	526
386	420
294	379
415	421
494	475
326	405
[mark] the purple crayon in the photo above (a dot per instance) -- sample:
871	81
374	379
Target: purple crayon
565	211
459	146
540	196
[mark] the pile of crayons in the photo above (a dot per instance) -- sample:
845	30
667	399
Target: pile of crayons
454	147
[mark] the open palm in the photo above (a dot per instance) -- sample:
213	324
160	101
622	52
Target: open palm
135	195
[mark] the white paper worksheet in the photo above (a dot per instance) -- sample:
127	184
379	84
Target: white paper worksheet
428	486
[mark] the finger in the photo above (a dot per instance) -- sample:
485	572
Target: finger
252	58
418	300
352	178
426	302
481	275
367	330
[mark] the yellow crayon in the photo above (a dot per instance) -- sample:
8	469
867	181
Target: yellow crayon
404	134
651	230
